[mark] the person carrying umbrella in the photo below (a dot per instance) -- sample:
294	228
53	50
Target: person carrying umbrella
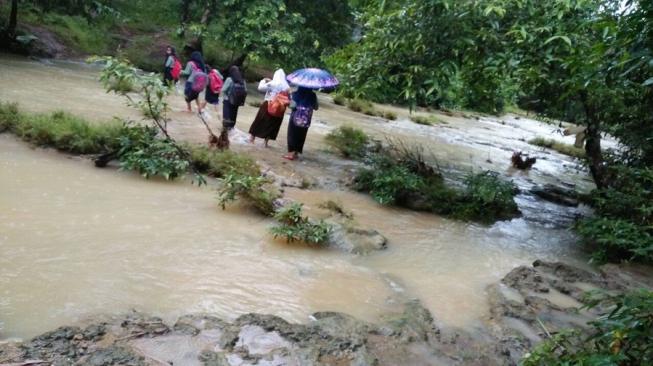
303	103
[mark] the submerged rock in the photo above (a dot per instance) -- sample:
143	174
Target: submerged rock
557	195
356	240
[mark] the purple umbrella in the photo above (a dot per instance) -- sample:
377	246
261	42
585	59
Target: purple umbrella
313	78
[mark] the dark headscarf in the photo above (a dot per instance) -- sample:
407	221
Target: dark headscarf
196	57
235	75
304	97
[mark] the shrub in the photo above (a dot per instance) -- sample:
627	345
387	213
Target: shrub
295	227
615	239
61	131
351	142
621	336
486	198
339	99
250	188
219	163
390	115
426	120
141	150
399	175
623	226
565	149
255	103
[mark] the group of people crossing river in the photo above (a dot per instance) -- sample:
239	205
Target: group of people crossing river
232	90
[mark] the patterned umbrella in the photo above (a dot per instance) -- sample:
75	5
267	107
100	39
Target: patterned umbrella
313	78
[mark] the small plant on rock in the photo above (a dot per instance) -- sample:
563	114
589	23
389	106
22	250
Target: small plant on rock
251	188
351	142
297	228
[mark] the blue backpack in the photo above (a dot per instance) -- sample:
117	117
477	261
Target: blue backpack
302	116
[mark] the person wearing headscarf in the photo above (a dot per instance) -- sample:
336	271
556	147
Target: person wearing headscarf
171	56
196	63
229	110
265	125
304	102
209	96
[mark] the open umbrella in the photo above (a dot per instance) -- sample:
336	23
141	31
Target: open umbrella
313	78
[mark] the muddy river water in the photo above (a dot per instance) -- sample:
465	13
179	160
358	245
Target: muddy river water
76	241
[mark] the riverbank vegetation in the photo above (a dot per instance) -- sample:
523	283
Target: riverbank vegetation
621	336
561	147
295	227
397	174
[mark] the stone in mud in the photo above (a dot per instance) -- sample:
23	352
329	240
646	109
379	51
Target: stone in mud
345	236
114	355
557	195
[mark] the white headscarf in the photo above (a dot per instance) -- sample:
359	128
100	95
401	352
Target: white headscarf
279	82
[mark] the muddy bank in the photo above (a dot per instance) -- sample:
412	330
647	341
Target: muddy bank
528	304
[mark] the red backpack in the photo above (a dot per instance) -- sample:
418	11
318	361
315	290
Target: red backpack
215	82
176	69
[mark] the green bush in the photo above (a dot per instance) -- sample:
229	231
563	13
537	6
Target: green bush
566	149
295	227
486	198
351	142
219	163
622	228
250	188
61	131
621	336
143	151
399	175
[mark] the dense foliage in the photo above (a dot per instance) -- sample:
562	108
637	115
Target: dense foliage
623	225
622	336
397	174
295	227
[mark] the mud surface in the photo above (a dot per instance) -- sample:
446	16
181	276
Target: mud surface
529	304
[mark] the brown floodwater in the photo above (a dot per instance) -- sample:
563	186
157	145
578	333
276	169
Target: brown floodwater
77	242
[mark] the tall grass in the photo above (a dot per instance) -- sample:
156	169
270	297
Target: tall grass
351	142
565	149
60	130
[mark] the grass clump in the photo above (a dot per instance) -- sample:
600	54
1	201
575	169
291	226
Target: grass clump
61	131
339	99
255	103
297	228
427	120
351	142
389	115
336	207
620	336
219	163
78	33
566	149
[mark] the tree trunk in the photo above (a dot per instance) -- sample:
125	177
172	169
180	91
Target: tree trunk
185	14
593	144
209	10
13	20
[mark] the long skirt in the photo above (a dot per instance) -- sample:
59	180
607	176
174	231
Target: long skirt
229	114
296	137
210	96
265	126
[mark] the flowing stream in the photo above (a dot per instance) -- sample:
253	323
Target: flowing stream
77	242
